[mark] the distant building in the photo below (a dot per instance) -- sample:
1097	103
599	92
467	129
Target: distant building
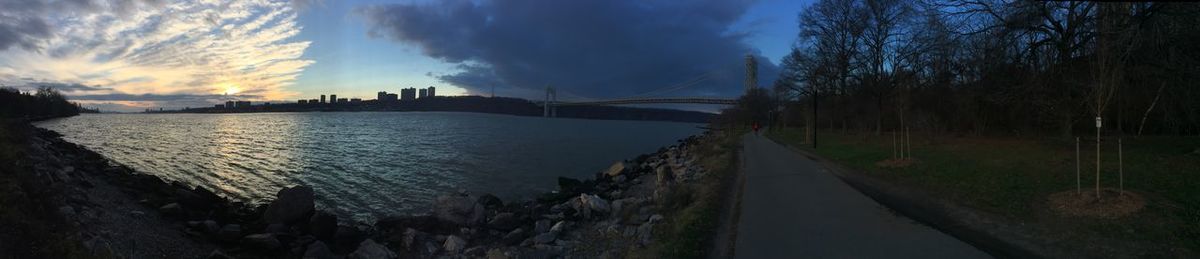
390	98
341	100
313	101
229	104
322	98
219	106
431	91
355	100
381	95
422	93
242	104
302	101
333	98
408	93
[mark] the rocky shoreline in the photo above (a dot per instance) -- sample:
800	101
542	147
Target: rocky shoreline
123	213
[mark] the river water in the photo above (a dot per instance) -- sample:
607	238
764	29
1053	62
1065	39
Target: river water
365	165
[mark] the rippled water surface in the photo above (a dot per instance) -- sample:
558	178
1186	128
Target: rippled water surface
367	164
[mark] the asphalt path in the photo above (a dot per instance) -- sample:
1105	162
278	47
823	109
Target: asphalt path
792	207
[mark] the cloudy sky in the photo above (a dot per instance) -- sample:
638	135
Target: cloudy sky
134	54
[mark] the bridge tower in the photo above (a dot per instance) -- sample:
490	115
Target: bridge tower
548	106
751	72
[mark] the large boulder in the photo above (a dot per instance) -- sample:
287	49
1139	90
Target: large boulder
504	221
262	241
368	249
322	225
318	250
454	244
290	205
541	226
490	201
513	237
230	232
458	210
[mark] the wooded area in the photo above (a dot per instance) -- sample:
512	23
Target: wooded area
995	67
45	103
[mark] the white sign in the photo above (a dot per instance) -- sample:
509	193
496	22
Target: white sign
1097	122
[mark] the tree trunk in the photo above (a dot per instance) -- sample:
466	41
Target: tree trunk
1142	125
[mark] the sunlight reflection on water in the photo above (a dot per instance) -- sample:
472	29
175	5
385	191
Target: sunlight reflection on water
367	164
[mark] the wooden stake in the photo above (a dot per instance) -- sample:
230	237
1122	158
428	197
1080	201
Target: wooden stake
1078	181
894	145
1121	165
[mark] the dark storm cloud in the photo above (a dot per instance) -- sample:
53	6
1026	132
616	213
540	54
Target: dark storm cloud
589	48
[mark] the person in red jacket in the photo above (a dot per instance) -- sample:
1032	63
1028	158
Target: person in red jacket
755	126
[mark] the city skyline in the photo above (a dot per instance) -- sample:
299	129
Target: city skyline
129	56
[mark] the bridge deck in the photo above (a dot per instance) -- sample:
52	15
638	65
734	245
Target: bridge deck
650	101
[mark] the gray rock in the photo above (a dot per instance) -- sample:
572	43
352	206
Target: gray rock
262	241
368	249
66	211
290	205
656	218
594	203
230	232
318	250
496	253
474	251
644	232
411	237
541	226
559	227
513	237
430	248
490	201
545	238
617	205
504	221
277	228
211	227
459	210
454	244
172	209
620	179
217	254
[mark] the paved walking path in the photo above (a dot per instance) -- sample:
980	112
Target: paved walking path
794	208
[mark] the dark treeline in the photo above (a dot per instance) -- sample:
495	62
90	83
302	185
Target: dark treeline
42	104
994	67
498	105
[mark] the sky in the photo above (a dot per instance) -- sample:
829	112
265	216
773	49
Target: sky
129	55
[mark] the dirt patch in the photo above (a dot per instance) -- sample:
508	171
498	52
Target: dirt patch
1111	204
896	163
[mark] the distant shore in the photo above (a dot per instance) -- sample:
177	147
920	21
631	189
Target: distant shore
479	104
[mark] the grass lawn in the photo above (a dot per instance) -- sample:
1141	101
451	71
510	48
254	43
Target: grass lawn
1012	177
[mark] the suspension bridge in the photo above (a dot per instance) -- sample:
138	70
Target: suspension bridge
552	101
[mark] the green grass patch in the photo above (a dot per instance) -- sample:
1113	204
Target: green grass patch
692	211
1011	177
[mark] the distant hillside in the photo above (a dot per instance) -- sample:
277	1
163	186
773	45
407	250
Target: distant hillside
500	105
